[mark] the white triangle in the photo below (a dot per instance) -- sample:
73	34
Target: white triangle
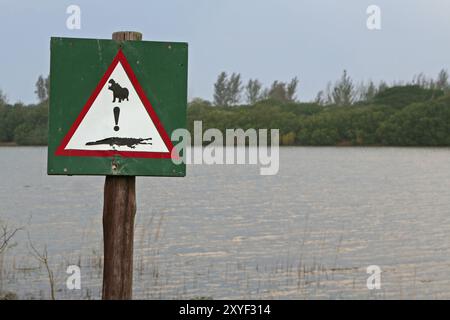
134	122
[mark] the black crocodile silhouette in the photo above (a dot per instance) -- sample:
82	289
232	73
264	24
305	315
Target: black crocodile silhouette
129	142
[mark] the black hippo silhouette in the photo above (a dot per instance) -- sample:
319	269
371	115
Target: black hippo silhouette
118	92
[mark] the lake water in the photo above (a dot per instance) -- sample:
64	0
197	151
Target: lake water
309	232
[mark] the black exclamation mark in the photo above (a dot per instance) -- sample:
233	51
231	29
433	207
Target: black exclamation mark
116	111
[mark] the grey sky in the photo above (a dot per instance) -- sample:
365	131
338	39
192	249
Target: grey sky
265	39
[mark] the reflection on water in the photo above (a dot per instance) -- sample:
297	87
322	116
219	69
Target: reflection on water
227	232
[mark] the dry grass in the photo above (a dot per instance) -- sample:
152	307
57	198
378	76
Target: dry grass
42	258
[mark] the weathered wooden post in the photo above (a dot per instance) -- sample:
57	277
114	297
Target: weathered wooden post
119	209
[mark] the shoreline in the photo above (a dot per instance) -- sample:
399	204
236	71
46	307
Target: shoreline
13	144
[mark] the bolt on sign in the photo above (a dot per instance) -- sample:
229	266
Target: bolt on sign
114	105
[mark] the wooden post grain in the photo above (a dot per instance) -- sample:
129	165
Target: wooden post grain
119	209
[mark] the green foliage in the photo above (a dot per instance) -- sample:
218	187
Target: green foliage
33	130
220	90
3	99
401	96
419	124
253	91
24	125
288	139
42	88
397	116
227	91
10	118
344	91
282	92
442	81
234	89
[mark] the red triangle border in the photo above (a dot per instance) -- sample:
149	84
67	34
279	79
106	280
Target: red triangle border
120	57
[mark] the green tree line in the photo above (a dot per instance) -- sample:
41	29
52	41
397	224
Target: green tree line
399	116
403	114
25	124
415	113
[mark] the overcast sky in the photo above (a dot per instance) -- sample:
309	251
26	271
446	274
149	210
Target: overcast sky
265	39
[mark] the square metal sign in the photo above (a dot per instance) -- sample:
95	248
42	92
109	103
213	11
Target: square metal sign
114	105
